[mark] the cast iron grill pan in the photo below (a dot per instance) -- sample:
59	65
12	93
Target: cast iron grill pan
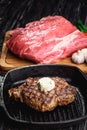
19	112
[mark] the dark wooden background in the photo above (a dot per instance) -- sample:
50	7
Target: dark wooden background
16	13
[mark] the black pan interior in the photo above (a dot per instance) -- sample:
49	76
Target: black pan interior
21	112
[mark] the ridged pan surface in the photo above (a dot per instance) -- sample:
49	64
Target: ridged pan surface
22	113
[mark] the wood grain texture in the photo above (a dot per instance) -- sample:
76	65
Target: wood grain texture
10	61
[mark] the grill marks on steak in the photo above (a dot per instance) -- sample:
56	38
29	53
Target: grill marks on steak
28	93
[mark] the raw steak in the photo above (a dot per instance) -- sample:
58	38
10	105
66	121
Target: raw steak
47	40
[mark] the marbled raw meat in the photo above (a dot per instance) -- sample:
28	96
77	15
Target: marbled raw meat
46	40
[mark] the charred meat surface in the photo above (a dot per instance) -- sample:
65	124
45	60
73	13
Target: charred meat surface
30	94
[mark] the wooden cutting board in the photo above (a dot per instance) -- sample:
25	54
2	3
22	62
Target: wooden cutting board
9	61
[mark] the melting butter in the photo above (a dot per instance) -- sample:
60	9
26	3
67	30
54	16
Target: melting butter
46	84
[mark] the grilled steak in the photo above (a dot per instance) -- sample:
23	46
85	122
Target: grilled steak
30	94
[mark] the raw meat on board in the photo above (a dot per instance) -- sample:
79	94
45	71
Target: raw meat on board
46	40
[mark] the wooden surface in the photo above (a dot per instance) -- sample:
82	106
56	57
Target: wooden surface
9	61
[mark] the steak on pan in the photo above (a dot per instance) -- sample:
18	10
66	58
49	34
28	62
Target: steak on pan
29	93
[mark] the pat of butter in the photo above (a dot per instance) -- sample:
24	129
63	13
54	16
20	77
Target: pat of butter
46	84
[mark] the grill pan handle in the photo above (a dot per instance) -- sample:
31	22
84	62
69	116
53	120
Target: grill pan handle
1	95
2	104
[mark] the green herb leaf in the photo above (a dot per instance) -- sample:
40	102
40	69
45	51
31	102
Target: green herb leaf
81	26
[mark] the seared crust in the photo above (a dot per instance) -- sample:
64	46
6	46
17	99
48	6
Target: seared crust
29	93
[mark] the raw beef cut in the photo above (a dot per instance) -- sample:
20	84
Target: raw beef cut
46	40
